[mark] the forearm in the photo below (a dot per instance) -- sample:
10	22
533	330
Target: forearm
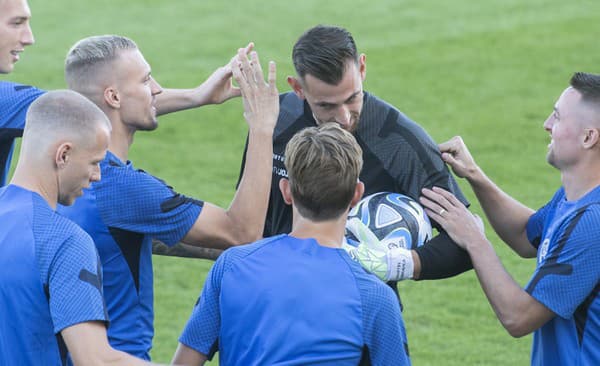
440	258
173	100
88	345
249	206
184	251
518	312
507	216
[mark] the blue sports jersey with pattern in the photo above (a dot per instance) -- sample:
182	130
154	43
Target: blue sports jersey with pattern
290	301
14	102
567	279
122	213
50	279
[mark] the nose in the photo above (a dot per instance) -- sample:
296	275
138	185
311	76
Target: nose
155	87
343	117
549	122
27	36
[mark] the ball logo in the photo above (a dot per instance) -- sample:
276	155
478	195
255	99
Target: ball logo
399	238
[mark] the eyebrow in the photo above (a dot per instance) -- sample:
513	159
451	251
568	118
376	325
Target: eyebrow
325	104
20	18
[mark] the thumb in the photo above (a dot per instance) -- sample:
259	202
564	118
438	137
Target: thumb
363	234
235	91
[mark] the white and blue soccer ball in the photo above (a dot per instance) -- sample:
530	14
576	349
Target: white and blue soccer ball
395	219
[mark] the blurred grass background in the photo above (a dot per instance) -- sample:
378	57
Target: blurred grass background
489	71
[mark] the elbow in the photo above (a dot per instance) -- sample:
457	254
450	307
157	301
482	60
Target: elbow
515	327
527	252
516	332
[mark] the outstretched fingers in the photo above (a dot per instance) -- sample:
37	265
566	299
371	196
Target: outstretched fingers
272	77
256	69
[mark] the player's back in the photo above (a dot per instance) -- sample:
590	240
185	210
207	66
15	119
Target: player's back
291	301
26	327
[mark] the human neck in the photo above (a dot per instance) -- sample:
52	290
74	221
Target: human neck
327	233
36	181
578	183
121	139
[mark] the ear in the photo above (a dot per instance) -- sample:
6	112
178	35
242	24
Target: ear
112	98
591	137
362	66
62	156
296	86
359	190
284	187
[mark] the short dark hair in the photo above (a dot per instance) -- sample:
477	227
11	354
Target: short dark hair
323	52
588	85
323	165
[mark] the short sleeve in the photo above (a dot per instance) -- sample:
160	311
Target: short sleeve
202	330
568	273
75	283
136	201
14	102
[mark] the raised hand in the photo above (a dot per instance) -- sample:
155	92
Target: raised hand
260	99
463	227
456	154
219	88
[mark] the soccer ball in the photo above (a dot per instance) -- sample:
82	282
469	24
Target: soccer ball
395	219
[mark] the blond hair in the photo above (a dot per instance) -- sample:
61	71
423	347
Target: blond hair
323	165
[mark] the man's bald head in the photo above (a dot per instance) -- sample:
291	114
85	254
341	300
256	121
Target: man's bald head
62	115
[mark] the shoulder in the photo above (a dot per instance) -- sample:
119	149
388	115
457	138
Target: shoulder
239	253
585	221
122	179
292	116
14	94
380	121
55	232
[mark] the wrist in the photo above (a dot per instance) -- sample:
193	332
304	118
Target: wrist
417	265
198	97
261	129
400	264
476	176
477	245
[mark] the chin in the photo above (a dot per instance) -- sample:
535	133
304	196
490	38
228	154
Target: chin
66	201
6	69
151	126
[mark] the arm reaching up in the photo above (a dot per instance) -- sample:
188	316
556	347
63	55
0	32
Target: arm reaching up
495	202
217	89
243	221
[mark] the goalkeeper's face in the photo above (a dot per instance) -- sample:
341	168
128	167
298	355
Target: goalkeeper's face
137	91
341	103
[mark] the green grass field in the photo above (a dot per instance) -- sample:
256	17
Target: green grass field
489	71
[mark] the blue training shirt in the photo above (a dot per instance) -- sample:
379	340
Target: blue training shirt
298	303
122	213
14	102
567	280
50	279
